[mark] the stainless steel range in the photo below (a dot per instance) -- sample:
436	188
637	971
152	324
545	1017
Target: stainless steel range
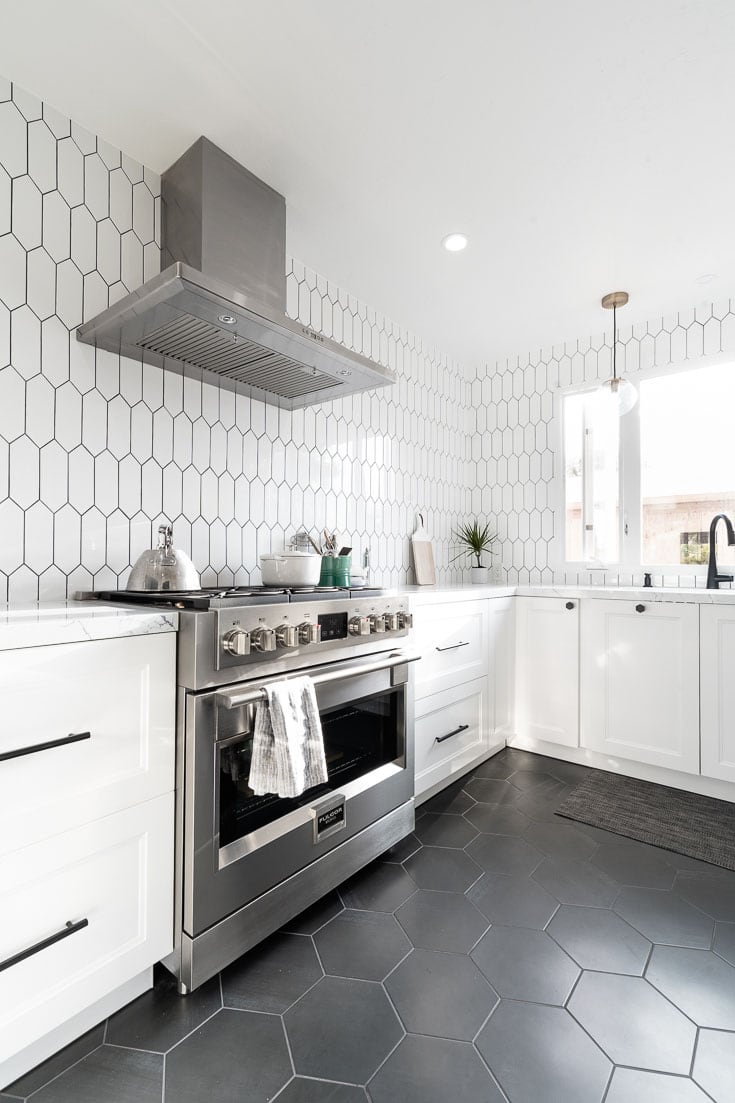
246	863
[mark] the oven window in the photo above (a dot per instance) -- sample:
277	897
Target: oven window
358	737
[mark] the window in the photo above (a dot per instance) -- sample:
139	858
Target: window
641	490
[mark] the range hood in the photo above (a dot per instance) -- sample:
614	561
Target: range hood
217	311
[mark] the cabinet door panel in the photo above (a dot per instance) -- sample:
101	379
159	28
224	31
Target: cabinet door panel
717	681
452	729
452	638
501	636
640	681
547	665
115	699
115	874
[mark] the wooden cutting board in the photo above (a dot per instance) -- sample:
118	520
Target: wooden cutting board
423	556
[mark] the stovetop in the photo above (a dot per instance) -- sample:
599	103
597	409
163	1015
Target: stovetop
222	597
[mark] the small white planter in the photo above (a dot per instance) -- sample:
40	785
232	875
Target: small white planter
480	575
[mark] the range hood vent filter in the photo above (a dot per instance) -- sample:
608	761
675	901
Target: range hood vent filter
218	310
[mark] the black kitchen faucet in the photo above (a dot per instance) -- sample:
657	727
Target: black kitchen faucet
713	578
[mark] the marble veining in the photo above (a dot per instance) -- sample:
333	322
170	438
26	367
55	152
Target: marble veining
45	623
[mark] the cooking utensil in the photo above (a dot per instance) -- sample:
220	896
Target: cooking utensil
315	546
164	567
423	556
345	551
290	568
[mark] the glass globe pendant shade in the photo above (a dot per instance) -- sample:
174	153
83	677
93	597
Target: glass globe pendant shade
621	392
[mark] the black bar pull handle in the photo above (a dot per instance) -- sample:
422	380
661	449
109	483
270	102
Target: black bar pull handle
454	646
70	928
461	728
75	737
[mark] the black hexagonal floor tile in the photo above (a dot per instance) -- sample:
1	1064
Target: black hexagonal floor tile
441	994
444	830
645	866
452	800
442	921
497	819
513	901
161	1018
273	975
714	1064
635	1086
402	850
633	1023
361	944
523	964
665	917
236	1055
540	1054
712	891
697	981
503	854
342	1030
433	1070
441	869
575	882
597	938
491	791
724	941
379	887
301	1090
125	1075
560	840
497	767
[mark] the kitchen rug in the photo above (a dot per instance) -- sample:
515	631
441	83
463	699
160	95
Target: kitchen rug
688	823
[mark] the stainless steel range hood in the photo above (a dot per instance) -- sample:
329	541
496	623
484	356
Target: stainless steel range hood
218	309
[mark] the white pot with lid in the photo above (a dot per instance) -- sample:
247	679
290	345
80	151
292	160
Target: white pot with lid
290	568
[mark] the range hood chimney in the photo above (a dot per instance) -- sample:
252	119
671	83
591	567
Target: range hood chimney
217	310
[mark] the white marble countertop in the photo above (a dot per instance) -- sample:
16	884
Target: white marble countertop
76	621
466	592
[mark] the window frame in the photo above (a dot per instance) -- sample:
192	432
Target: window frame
629	475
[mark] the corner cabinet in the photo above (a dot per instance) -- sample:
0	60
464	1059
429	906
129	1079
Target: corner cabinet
547	670
462	686
717	684
639	693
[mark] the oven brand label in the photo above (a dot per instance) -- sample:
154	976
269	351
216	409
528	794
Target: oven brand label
332	818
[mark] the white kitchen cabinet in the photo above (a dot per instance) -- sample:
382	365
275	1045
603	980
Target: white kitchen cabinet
547	670
453	640
87	749
717	689
451	732
87	729
640	681
113	883
501	656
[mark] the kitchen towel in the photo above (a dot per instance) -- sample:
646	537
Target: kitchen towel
288	745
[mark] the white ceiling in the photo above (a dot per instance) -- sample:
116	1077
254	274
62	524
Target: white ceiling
583	146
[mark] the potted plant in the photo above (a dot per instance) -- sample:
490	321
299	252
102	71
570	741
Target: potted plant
475	539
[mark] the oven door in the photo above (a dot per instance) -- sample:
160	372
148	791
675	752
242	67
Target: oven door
238	845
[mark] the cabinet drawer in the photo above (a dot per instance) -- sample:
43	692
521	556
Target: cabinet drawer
453	644
87	729
117	874
452	729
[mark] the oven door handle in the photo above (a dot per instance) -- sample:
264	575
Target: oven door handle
235	700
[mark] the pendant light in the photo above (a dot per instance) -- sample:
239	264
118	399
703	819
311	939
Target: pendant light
616	389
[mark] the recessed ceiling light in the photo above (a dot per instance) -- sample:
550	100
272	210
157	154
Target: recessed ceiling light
227	319
454	243
706	278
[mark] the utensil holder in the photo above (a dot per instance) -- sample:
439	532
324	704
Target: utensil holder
326	578
341	570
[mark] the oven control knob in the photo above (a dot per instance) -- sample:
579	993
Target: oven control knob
359	626
377	623
392	622
263	639
310	633
236	642
405	620
286	635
